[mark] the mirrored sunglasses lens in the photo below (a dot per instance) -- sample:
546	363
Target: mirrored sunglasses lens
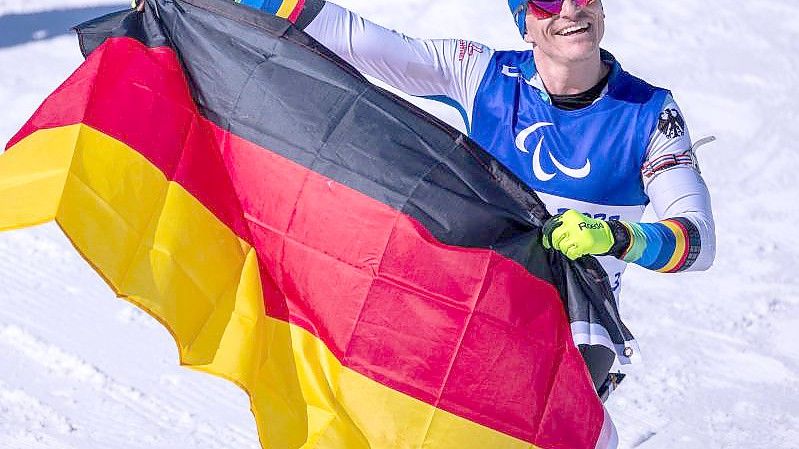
549	6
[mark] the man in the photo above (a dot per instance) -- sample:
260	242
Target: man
595	143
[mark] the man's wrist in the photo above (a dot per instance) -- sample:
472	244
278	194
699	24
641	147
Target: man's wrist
621	239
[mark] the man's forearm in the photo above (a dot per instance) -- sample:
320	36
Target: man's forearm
685	240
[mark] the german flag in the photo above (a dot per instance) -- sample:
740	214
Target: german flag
368	275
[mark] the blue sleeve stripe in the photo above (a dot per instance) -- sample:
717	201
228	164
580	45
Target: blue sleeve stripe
660	245
450	102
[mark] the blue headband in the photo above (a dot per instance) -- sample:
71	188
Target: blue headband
519	10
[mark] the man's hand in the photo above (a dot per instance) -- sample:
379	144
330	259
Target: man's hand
576	235
138	5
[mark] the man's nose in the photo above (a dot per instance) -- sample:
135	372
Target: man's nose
569	9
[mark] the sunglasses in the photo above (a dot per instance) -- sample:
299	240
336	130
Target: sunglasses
544	9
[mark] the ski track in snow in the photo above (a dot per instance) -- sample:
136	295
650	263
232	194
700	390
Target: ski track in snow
27	418
79	369
67	368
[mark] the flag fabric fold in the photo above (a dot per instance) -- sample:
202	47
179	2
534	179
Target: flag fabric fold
368	275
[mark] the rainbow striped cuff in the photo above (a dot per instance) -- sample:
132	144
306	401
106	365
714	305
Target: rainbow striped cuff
298	12
668	246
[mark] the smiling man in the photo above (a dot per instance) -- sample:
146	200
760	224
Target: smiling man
595	142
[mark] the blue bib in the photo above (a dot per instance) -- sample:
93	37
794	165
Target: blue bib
593	154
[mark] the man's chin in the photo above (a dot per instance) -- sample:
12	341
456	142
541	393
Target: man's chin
579	51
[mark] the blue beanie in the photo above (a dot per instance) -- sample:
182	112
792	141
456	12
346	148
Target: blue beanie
519	10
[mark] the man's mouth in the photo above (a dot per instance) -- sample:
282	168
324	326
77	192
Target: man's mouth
572	30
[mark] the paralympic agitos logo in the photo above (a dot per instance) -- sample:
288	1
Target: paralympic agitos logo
538	169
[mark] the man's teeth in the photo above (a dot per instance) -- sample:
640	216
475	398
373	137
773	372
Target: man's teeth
573	30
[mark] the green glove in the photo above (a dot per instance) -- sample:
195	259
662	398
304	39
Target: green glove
576	235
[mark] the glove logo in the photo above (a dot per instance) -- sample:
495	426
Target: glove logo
583	226
538	169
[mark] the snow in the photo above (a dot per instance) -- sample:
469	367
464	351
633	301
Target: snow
79	369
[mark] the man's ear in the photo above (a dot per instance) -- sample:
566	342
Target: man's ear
529	39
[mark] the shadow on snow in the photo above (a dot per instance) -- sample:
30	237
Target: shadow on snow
22	28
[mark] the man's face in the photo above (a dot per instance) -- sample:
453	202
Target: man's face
574	35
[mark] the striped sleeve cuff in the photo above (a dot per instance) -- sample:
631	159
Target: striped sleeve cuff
299	12
668	246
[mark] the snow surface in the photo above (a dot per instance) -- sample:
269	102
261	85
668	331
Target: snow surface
80	369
